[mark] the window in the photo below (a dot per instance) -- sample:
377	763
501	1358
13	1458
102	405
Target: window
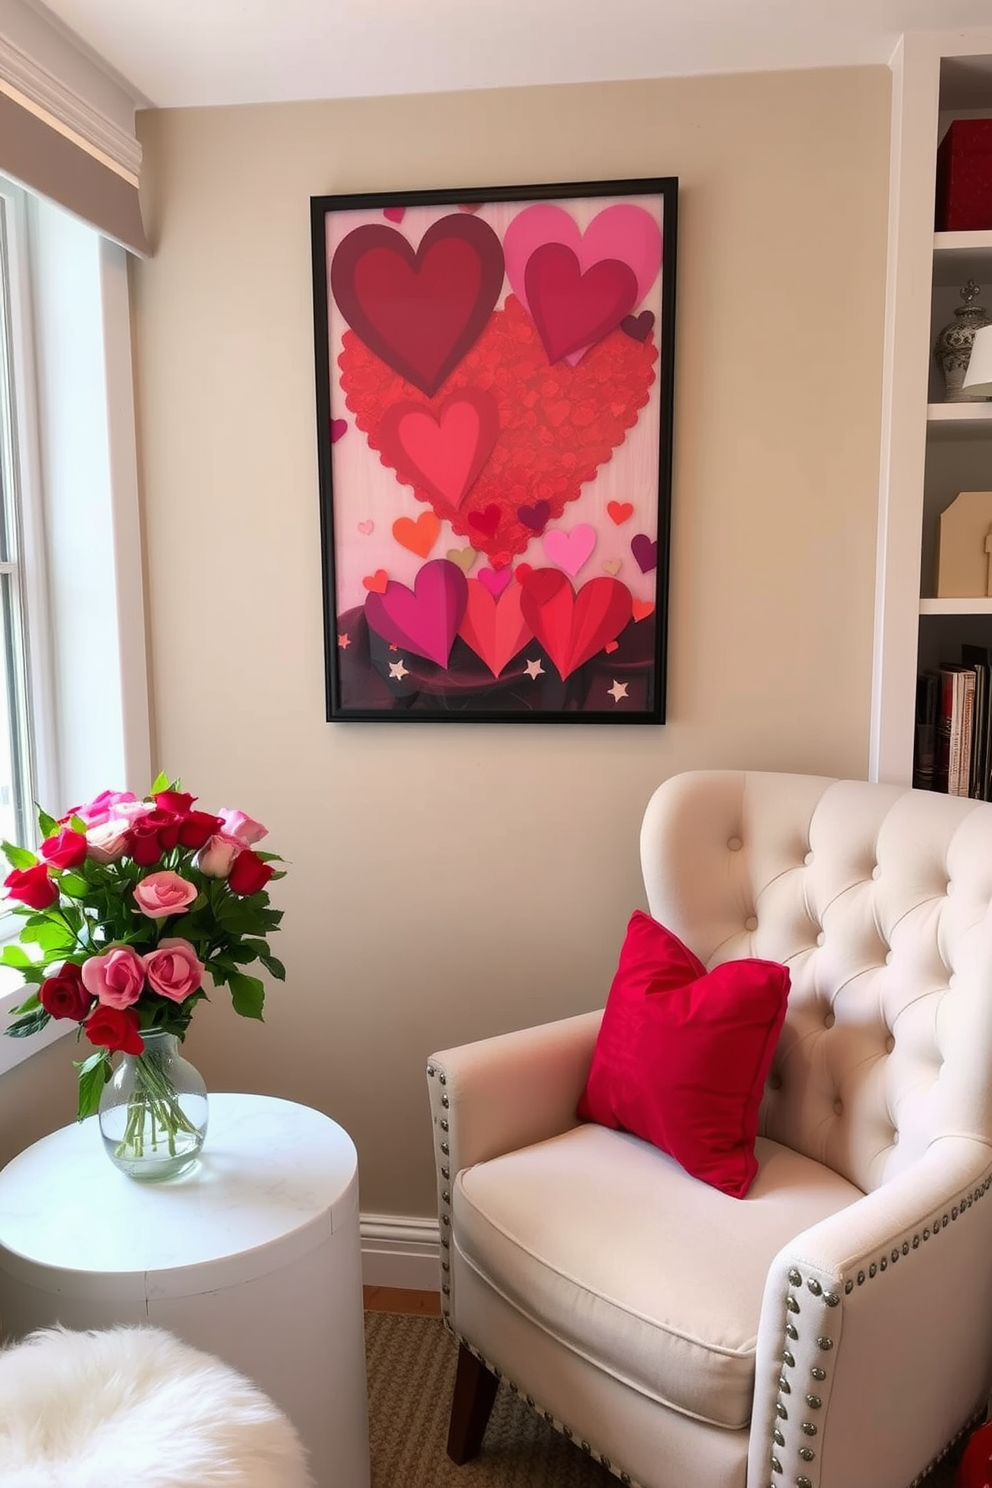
20	522
71	603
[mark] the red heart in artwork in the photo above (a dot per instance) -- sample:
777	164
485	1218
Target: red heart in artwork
557	425
638	326
493	625
420	310
570	309
441	452
573	627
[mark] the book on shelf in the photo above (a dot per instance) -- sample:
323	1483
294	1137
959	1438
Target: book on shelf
955	727
980	659
925	744
953	740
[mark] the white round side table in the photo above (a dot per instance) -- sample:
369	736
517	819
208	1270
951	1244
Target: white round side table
255	1256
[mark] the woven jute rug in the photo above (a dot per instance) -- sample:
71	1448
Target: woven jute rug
411	1368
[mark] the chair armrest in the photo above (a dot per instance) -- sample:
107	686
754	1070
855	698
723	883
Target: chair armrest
875	1339
502	1093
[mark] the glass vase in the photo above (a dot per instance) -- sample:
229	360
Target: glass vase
153	1111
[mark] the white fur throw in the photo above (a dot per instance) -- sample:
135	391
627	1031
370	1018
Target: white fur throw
134	1407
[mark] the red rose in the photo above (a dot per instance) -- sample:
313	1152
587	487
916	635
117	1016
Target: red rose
63	995
66	849
249	873
176	803
113	1029
197	827
32	886
151	835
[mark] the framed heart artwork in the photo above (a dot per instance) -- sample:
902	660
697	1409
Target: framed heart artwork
494	378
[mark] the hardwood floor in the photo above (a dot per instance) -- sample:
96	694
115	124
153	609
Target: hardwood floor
394	1299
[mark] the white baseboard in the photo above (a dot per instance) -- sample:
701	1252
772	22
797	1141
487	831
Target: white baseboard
400	1251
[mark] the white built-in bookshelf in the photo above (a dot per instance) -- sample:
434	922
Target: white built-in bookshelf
931	450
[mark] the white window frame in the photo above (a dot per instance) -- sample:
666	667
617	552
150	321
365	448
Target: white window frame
75	401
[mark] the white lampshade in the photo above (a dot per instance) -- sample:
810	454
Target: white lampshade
978	378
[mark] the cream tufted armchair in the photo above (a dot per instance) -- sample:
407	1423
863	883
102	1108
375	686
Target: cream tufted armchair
833	1329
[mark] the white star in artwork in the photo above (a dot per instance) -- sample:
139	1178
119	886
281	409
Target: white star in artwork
534	669
398	670
618	690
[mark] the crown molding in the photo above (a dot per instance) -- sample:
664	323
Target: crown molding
32	85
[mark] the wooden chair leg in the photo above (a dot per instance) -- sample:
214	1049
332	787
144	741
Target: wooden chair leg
471	1405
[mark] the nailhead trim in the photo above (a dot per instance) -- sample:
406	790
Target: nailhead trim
825	1343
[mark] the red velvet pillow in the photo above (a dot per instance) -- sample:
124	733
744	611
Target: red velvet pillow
683	1054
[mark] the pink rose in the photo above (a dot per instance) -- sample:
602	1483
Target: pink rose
164	893
216	857
107	842
103	807
173	969
116	978
242	827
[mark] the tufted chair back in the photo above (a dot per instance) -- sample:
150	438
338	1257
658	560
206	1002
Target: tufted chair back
877	899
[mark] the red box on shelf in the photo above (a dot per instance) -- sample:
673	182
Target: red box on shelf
964	177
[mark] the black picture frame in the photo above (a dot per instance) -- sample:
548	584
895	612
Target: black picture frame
494	388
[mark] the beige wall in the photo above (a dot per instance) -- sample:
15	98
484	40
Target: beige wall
449	882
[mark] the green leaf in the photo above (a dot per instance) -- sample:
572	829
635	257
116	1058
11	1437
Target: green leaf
74	885
241	953
18	857
14	955
93	1075
50	935
274	967
247	995
29	1004
159	784
33	1023
78	825
47	825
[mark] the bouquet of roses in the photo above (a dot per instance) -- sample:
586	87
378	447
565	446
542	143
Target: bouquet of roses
127	906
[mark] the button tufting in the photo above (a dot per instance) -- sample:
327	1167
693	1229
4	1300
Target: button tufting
890	1044
895	1139
829	1021
876	872
735	844
952	980
838	1107
775	1082
820	938
888	958
808	859
751	923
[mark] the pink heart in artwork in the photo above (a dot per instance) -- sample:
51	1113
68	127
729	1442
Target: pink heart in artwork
570	550
394	214
338	427
493	626
424	619
495	580
645	551
623	233
442	452
366	528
